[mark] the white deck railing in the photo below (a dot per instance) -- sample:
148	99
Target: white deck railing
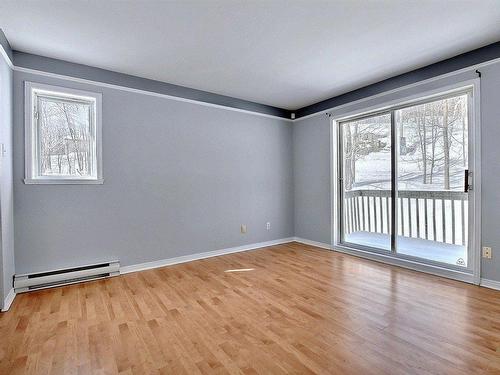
432	215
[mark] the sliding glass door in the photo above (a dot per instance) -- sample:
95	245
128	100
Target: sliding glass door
407	168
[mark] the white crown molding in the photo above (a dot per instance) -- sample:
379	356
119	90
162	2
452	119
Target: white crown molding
9	298
125	88
145	92
204	255
401	88
6	57
139	91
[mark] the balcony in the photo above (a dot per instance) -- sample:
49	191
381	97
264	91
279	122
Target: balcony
431	224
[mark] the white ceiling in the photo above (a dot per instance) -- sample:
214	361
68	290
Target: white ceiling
286	53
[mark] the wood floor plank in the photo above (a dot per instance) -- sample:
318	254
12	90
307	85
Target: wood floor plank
284	309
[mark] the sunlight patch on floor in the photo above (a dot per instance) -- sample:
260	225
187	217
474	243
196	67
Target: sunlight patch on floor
240	270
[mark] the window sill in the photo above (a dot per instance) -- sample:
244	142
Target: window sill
63	181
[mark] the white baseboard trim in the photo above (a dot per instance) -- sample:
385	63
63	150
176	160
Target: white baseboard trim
492	284
8	300
312	243
207	254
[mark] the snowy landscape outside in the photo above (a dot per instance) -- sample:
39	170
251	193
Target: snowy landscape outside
432	159
65	139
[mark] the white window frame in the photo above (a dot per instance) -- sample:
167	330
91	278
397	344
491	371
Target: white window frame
31	161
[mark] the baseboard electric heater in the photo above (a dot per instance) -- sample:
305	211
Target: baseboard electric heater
51	279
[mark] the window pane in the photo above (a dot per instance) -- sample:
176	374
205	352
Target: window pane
433	156
65	138
433	145
367	181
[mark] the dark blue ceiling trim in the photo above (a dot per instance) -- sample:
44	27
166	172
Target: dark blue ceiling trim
477	56
56	66
66	68
5	44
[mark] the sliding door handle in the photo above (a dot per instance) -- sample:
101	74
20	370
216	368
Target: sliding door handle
467	181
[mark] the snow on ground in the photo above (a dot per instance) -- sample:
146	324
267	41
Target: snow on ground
417	247
373	171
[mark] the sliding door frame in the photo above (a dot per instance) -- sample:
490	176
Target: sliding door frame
472	273
340	181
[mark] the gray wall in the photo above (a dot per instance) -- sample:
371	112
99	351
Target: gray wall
311	155
180	178
311	178
490	159
6	188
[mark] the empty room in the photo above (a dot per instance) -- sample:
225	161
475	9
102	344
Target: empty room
249	187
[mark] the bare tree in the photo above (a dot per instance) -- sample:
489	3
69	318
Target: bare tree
446	147
64	137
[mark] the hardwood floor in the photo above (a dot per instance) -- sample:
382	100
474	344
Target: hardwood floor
290	309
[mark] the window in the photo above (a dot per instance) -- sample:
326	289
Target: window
63	136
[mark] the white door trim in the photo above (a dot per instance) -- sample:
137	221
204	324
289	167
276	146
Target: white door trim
475	162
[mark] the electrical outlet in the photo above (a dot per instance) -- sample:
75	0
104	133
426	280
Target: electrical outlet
268	225
487	252
243	228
